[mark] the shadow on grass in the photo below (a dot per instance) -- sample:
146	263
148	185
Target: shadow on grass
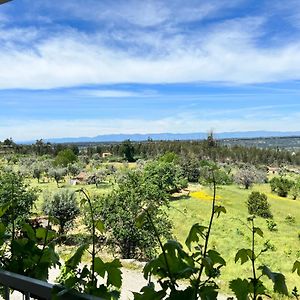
181	197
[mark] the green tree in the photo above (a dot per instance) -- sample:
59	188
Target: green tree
281	186
127	150
65	157
63	207
258	205
58	174
167	176
119	210
18	195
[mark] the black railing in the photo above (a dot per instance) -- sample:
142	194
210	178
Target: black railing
34	289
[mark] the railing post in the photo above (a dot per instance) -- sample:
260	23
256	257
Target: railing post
7	292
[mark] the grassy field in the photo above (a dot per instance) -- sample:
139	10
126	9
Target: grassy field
230	232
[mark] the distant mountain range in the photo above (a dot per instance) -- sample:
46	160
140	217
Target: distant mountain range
169	136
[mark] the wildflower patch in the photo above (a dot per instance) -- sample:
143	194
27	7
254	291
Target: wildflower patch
203	196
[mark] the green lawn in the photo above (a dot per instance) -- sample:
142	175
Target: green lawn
230	233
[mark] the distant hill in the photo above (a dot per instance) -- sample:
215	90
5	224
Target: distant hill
169	136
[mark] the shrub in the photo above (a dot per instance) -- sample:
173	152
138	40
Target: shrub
258	205
272	226
281	186
290	219
63	207
14	191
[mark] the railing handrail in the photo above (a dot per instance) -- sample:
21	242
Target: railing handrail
36	288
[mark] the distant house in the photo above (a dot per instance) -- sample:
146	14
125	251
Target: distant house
81	178
106	154
272	170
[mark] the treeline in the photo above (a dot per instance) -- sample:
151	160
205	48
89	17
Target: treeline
150	149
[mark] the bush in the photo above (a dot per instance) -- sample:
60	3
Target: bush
63	207
290	219
272	226
281	186
258	205
14	191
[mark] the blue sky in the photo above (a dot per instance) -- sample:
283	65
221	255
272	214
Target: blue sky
89	67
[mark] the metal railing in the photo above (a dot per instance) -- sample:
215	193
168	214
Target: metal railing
32	288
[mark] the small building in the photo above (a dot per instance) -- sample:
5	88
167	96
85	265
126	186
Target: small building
81	178
106	154
272	170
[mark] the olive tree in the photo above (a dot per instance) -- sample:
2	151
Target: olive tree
63	207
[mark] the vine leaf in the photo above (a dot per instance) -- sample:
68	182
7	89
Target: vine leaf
114	274
74	261
4	208
278	280
296	267
99	225
219	209
244	255
195	233
240	288
258	231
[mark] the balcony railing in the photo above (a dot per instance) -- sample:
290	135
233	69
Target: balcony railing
34	289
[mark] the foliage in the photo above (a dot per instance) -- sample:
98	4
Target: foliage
290	219
86	279
169	157
258	205
281	186
17	194
201	265
253	287
248	175
118	210
166	176
295	189
29	252
127	150
190	169
58	174
65	157
63	207
272	226
221	176
74	169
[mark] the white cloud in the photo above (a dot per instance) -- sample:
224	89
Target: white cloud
111	93
70	60
227	52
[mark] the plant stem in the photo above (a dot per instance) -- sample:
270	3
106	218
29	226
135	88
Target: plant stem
93	235
173	287
253	263
197	284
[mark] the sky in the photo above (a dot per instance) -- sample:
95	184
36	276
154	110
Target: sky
89	67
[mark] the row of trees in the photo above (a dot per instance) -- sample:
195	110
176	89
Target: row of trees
131	151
